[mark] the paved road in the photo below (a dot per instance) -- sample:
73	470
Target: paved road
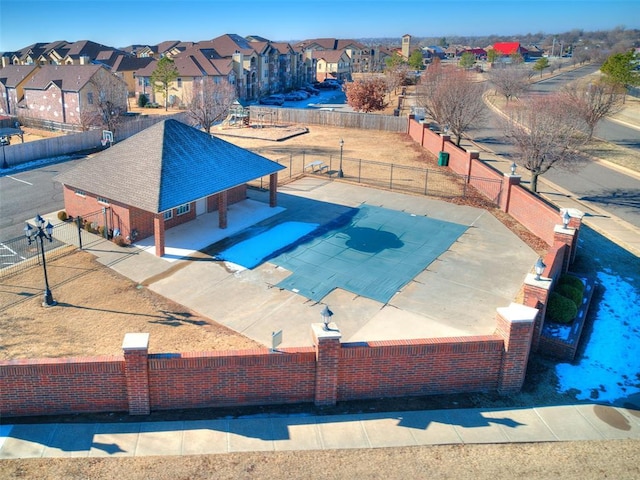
27	193
601	189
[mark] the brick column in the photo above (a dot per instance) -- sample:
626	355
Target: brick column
505	195
136	368
575	222
515	325
565	236
223	207
327	343
158	231
444	138
536	295
273	190
472	155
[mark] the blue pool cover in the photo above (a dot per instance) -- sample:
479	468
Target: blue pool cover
372	252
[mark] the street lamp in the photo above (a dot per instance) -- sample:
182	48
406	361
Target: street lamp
340	172
41	232
539	267
326	317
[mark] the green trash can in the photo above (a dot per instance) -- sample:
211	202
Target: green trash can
443	159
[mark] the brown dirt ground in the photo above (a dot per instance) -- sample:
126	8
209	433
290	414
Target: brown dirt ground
90	324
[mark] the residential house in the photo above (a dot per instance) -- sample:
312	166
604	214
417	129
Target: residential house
332	64
126	66
507	49
165	176
361	57
70	94
12	81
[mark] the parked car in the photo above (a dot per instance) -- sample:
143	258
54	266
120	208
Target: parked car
311	90
295	96
329	84
272	100
5	140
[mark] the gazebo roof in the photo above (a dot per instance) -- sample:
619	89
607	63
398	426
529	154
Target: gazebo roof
167	165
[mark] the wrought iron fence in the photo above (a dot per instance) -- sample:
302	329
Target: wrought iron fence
424	181
18	254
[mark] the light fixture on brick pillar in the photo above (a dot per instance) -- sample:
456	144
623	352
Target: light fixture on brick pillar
513	168
539	267
326	314
566	218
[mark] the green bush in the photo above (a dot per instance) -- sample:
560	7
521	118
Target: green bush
572	281
571	293
560	309
62	216
143	100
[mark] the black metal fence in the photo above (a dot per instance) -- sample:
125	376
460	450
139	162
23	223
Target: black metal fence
18	254
424	181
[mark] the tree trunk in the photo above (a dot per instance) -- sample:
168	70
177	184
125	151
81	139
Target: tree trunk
534	182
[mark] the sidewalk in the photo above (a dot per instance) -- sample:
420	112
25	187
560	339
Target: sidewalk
296	432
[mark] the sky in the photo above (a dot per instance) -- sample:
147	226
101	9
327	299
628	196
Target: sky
120	23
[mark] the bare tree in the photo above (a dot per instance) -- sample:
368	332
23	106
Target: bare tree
210	100
109	101
592	102
453	98
510	80
545	135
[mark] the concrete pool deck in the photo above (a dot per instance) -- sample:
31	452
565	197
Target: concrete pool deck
455	295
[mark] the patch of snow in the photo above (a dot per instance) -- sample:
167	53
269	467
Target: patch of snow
610	367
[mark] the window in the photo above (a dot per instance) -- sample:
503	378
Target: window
103	200
182	209
90	98
168	215
179	83
80	193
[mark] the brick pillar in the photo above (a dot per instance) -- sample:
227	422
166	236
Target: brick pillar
473	155
575	222
273	190
505	195
444	138
158	231
515	325
327	343
536	295
565	236
223	209
136	368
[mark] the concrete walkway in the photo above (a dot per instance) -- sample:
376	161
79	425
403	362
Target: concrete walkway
280	433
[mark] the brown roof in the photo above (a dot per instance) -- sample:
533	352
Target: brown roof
165	166
70	78
12	75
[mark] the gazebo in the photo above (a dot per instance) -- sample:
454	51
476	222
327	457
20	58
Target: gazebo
162	177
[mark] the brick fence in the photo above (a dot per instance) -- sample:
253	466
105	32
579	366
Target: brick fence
329	372
139	382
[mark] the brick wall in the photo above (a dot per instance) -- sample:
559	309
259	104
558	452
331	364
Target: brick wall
324	374
64	385
217	379
419	367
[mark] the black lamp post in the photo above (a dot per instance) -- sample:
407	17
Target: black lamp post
340	172
41	232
